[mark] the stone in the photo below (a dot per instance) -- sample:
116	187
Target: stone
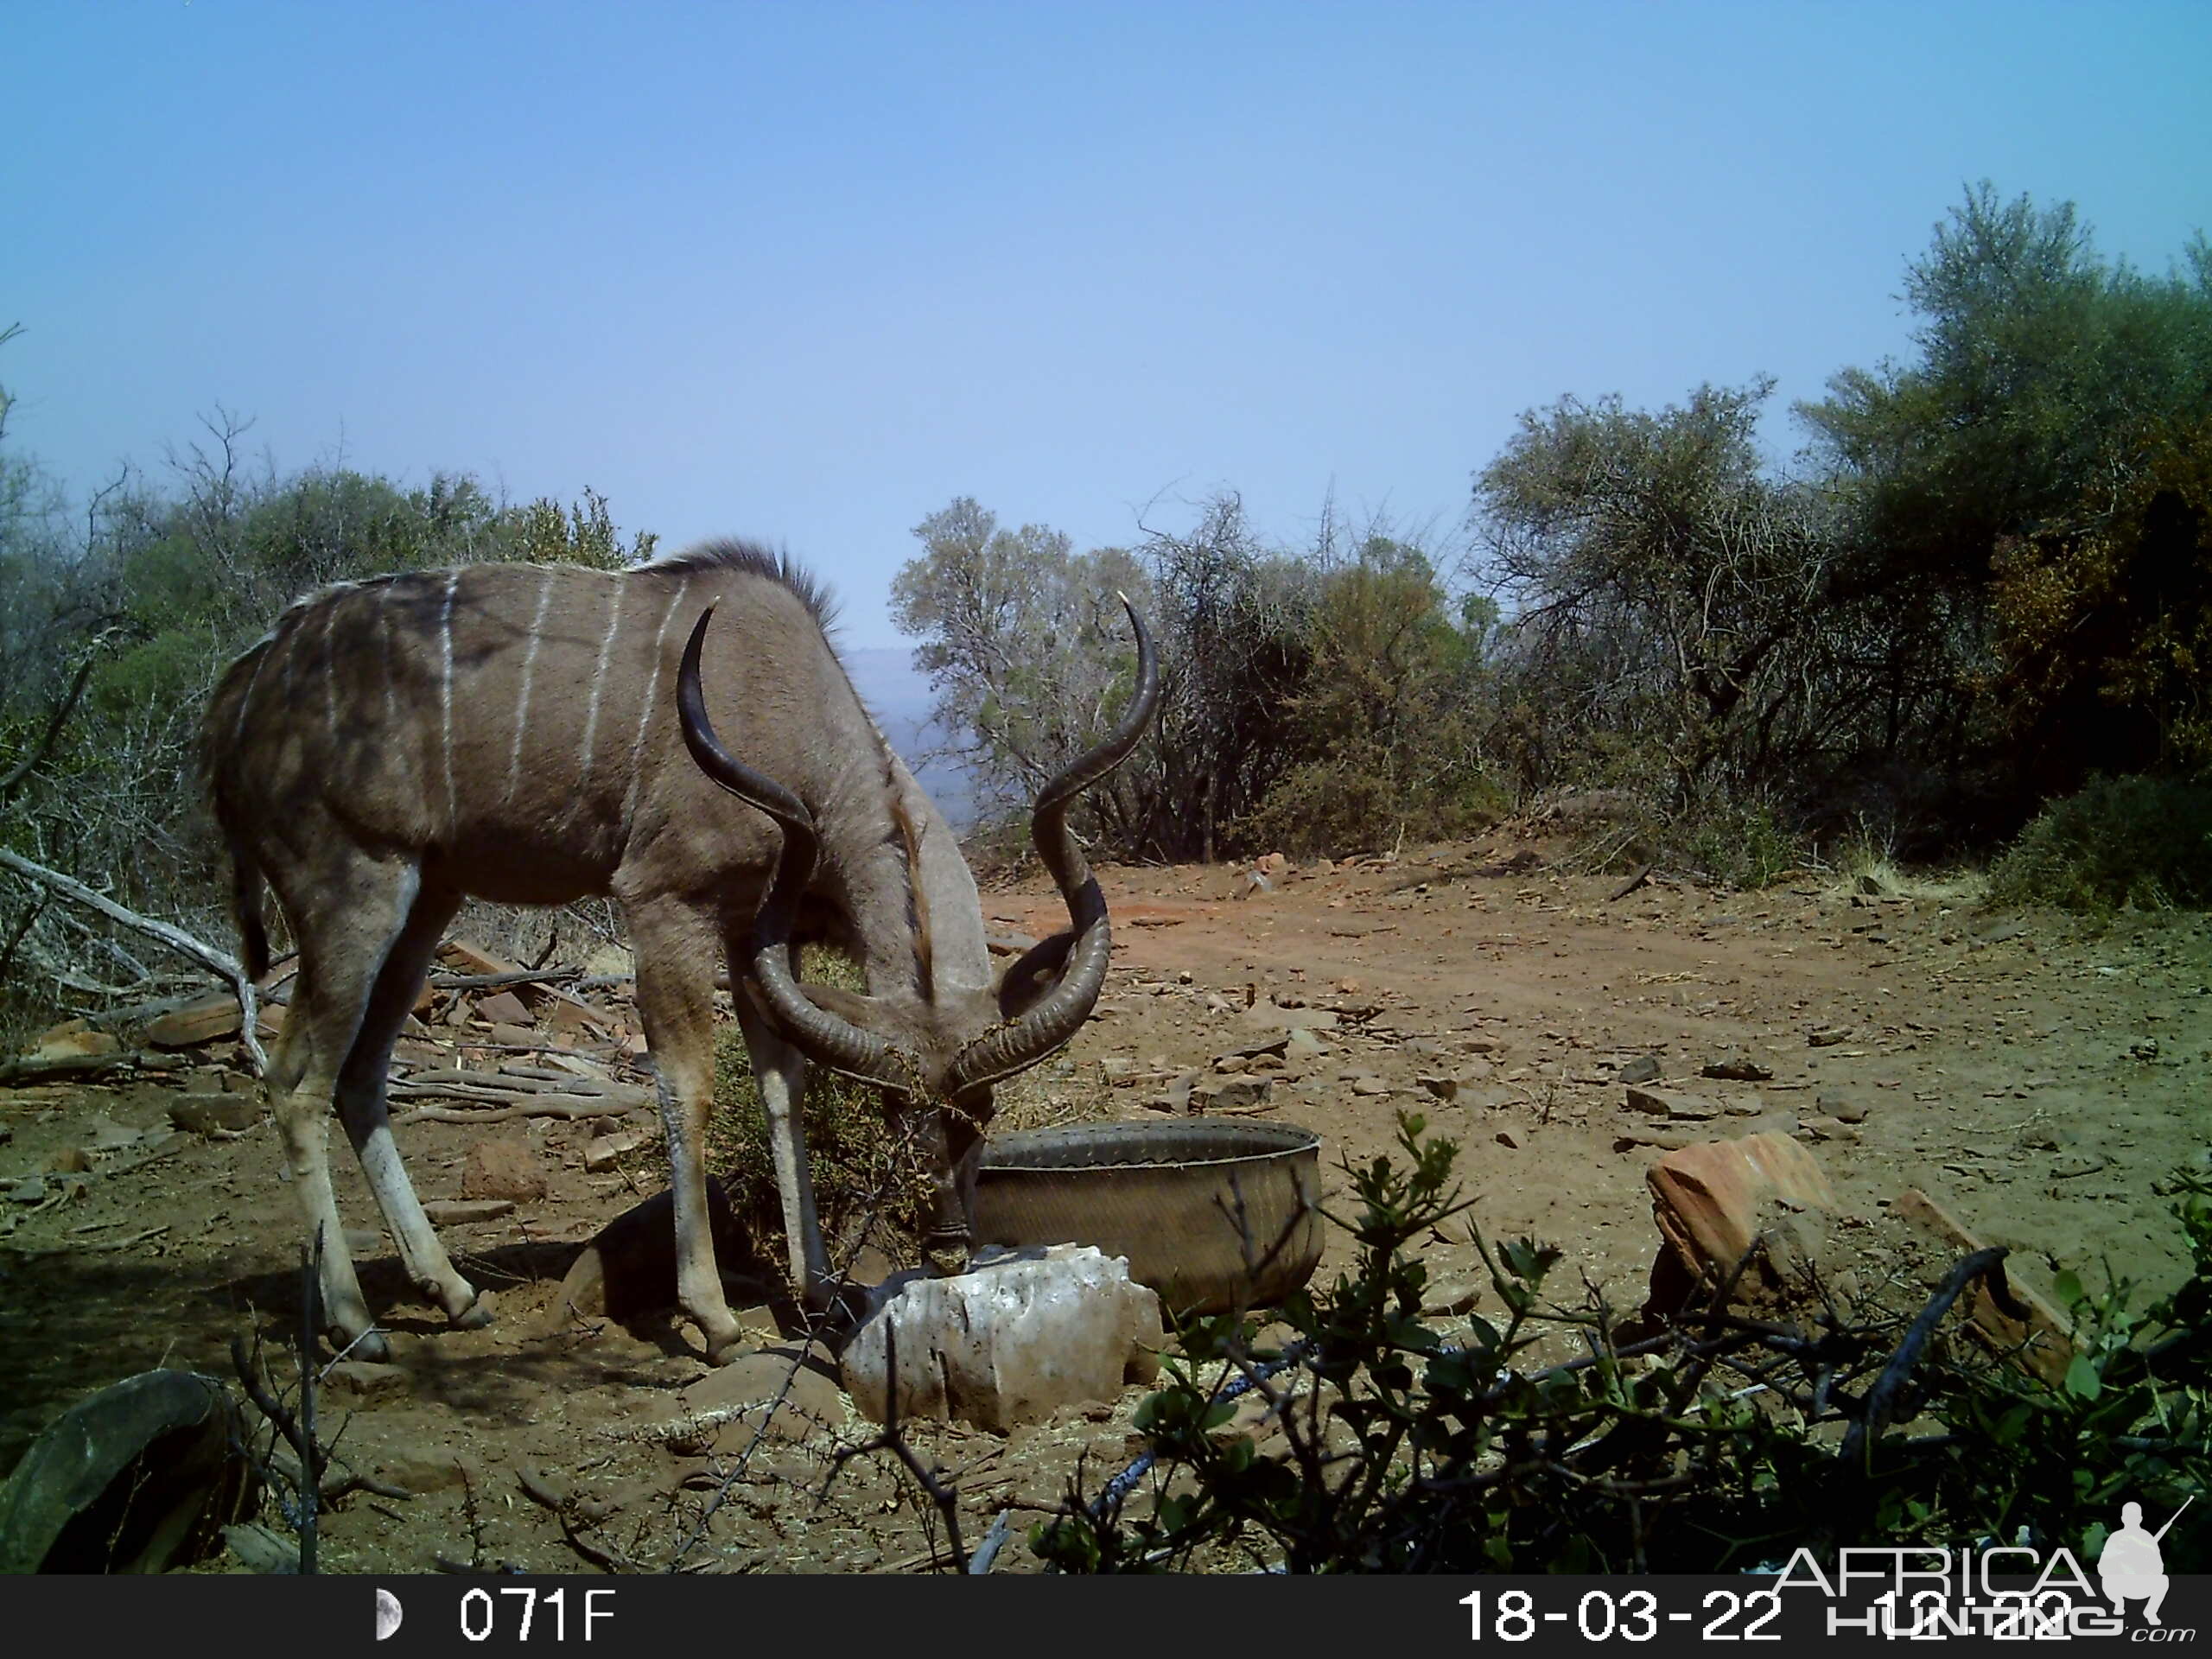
1118	1071
1242	1092
363	1380
1010	1342
628	1270
2013	1319
787	1391
502	1167
1738	1067
1445	1088
1302	1045
1370	1085
1715	1199
1826	1036
73	1040
1844	1111
465	1212
200	1021
1688	1109
70	1160
504	1008
1642	1069
212	1113
608	1150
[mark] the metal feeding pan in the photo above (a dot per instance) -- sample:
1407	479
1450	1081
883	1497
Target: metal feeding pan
1212	1213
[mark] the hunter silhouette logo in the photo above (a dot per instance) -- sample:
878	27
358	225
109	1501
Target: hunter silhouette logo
2131	1566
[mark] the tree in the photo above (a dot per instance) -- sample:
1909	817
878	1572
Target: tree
2033	488
1667	589
1032	659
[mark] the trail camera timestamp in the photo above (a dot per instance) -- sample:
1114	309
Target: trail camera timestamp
1620	1615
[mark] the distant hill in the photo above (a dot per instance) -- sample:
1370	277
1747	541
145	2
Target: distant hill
898	694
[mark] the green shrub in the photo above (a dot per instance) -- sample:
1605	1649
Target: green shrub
869	1184
1743	845
2121	842
1717	1443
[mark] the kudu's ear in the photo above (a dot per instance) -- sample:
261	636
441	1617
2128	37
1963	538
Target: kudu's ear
852	1007
1032	975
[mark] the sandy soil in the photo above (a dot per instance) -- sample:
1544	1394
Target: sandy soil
2038	1078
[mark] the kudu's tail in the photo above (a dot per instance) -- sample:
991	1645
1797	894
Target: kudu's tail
218	734
245	910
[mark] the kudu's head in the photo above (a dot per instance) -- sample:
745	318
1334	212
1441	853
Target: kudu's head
938	1056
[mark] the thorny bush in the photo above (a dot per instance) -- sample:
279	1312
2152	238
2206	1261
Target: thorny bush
1722	1442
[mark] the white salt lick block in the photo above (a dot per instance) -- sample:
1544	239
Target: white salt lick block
1010	1342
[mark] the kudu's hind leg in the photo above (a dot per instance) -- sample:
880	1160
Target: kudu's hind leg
361	1108
343	941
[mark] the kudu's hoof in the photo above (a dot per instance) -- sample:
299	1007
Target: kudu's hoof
477	1314
371	1349
737	1347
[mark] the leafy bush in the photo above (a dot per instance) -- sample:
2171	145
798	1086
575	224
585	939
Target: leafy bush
2145	842
1721	1442
870	1184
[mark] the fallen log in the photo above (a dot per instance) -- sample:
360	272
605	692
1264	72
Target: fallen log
519	1106
627	1097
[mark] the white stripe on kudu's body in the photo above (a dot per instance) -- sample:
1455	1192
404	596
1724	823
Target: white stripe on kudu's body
529	668
598	684
330	809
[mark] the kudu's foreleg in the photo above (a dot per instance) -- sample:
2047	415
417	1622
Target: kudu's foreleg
675	950
361	1108
952	1144
779	1071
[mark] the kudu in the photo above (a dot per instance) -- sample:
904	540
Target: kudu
527	734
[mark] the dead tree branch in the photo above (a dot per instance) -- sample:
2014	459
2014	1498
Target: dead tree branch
175	937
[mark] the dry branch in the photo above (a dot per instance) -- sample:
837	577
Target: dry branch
175	937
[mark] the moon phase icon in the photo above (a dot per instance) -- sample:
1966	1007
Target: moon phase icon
388	1614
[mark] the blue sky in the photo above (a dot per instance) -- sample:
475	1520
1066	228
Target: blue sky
808	272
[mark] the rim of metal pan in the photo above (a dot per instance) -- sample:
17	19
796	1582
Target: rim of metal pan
1119	1144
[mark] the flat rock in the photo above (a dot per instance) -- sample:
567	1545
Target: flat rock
504	1008
208	1114
786	1390
1243	1092
1667	1104
1738	1067
1642	1069
1841	1108
608	1150
74	1040
463	1212
361	1379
